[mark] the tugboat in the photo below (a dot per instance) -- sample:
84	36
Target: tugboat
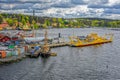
45	49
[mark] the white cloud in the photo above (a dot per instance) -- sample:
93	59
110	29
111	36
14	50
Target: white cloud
113	2
64	8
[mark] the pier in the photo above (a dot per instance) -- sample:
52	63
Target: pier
58	44
37	53
12	59
53	45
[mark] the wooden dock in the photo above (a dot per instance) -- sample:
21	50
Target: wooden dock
58	45
52	45
37	53
12	59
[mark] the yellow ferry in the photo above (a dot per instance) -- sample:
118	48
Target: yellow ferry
91	39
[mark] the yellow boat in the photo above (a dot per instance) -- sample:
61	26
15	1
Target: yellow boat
91	39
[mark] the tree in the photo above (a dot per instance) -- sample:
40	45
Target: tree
60	22
10	22
36	26
15	22
54	20
95	23
26	19
23	21
1	19
47	22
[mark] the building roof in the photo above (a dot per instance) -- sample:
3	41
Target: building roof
3	35
4	25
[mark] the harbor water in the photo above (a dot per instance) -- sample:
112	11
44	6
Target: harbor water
101	62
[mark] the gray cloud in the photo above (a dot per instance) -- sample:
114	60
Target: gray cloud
23	6
40	6
113	11
26	1
115	6
63	7
97	2
78	2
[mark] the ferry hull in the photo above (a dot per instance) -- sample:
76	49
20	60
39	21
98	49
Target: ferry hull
90	44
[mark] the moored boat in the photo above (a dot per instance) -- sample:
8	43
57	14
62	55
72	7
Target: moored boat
45	51
91	39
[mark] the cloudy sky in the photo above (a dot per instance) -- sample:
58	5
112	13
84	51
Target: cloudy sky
64	8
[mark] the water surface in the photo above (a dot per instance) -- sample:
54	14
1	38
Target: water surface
86	63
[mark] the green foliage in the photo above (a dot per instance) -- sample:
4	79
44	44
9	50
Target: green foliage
95	23
26	19
13	19
36	26
66	22
10	21
54	19
23	21
1	19
47	22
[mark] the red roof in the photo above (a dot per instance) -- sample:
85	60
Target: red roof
4	38
4	25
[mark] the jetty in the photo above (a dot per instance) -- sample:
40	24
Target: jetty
53	45
12	59
43	50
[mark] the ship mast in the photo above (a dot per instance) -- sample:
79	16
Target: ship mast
46	39
45	48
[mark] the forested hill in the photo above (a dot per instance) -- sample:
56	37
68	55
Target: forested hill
44	22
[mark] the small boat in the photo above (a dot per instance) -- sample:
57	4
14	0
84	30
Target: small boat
91	39
45	51
35	52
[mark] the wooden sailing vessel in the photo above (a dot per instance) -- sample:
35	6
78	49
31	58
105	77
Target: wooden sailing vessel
45	49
